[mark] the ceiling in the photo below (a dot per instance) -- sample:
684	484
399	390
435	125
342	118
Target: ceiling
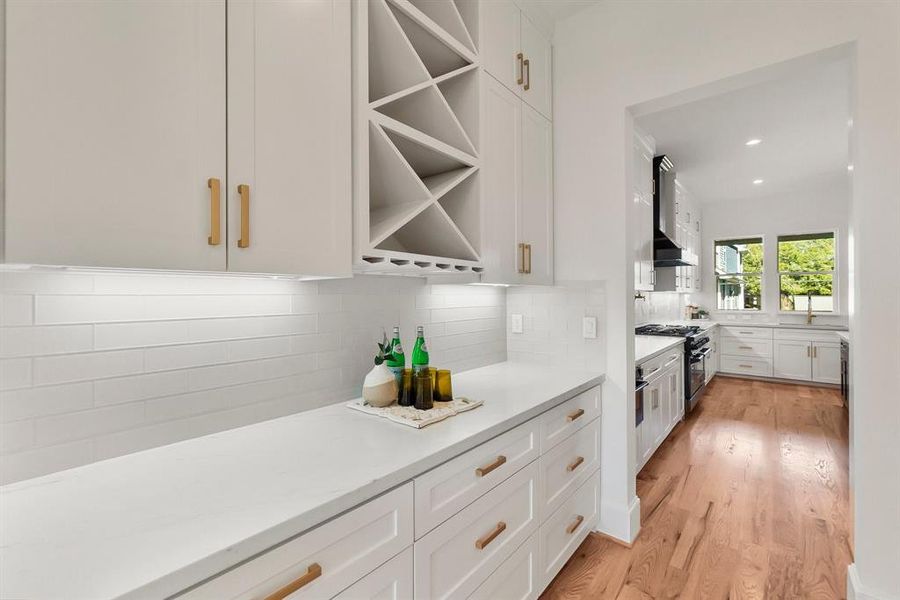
802	120
557	10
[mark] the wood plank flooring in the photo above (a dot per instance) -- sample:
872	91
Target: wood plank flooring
748	498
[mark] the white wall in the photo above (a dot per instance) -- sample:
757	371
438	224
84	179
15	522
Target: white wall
619	57
98	365
812	210
660	307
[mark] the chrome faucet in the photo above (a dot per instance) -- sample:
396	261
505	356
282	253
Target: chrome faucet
809	313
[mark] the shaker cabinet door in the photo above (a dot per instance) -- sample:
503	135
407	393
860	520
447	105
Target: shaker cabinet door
501	42
115	115
537	87
537	196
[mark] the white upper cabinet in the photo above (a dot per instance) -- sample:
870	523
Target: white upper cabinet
115	115
643	146
537	197
517	54
289	137
116	153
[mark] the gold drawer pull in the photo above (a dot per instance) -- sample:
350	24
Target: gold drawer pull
313	571
215	211
480	543
746	347
482	471
575	464
527	85
528	255
575	415
521	78
244	191
746	366
571	528
521	268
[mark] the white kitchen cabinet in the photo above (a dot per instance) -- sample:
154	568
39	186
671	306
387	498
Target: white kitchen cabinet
517	53
517	190
289	137
643	150
112	135
127	168
826	362
391	581
792	360
663	403
712	360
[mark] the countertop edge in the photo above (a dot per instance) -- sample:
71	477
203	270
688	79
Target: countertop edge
675	342
195	573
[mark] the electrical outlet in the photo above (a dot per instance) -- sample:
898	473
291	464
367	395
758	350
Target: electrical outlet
589	328
518	325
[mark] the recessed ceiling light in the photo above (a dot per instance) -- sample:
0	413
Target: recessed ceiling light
849	167
757	181
753	142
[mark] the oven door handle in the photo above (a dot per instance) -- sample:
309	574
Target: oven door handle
698	356
641	384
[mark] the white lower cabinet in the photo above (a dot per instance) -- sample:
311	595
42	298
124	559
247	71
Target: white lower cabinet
663	404
826	362
324	561
792	360
391	581
496	522
565	529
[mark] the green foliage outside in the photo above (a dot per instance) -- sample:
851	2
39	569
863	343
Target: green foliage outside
805	255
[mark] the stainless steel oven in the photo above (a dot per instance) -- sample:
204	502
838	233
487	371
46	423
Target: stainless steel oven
695	371
639	384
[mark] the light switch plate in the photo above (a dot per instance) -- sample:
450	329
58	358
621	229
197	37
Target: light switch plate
589	328
518	325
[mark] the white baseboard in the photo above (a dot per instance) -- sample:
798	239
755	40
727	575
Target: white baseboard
621	522
857	591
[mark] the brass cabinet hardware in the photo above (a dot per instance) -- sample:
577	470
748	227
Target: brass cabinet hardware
808	355
244	191
482	471
575	415
314	571
746	366
575	464
521	77
527	64
814	351
746	332
571	528
746	347
480	543
528	260
522	258
215	211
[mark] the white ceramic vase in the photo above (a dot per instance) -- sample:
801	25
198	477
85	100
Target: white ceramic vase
380	386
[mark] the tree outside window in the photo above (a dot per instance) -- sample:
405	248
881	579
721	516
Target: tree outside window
739	269
806	272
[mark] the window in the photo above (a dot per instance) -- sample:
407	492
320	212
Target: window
739	268
806	272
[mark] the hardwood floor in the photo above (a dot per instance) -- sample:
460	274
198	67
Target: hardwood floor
748	498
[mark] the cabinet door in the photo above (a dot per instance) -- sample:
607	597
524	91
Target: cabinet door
643	217
501	43
537	89
536	225
115	116
289	137
826	362
501	181
792	360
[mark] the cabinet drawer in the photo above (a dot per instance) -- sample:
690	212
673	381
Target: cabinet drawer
746	347
746	366
516	579
344	550
561	534
805	335
654	367
458	555
763	333
559	423
391	581
447	489
568	465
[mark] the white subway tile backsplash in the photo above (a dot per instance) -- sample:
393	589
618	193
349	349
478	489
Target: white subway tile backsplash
95	365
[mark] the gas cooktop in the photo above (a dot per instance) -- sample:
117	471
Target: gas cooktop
669	330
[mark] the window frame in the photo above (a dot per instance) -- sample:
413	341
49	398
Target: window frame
761	274
835	285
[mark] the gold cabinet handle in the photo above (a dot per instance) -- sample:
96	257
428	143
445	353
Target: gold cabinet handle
746	366
814	351
244	191
527	64
571	528
521	77
481	543
528	261
746	347
215	211
575	464
482	471
522	258
575	415
807	352
314	571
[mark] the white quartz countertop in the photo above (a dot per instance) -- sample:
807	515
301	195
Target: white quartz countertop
150	524
648	346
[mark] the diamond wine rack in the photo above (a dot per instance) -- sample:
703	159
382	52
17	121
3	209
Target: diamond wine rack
418	199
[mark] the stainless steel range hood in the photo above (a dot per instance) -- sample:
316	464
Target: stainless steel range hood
666	252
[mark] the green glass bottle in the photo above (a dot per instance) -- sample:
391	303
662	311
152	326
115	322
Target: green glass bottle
398	360
420	352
